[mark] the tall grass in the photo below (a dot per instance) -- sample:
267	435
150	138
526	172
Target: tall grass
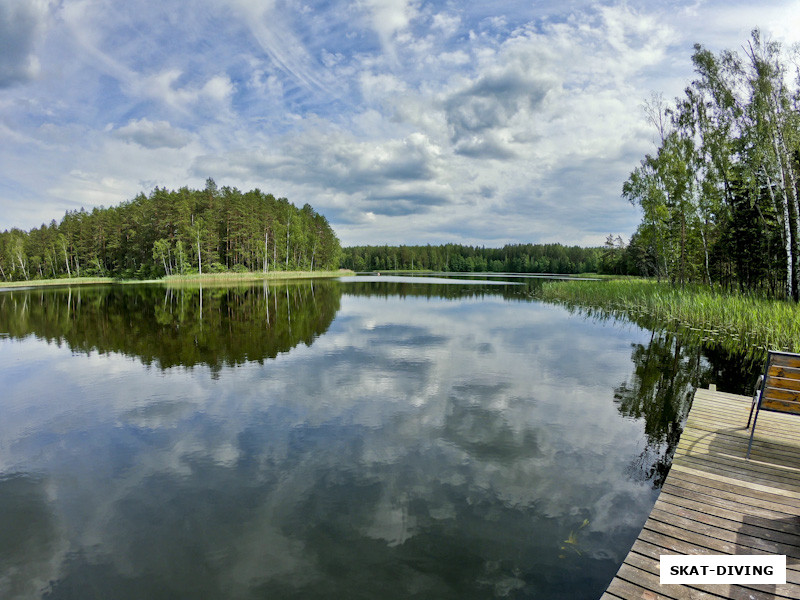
745	322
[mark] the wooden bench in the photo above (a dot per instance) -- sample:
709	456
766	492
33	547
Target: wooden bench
778	389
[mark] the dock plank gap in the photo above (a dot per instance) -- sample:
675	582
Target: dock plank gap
715	501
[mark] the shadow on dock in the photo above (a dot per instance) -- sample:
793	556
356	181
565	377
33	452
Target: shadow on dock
715	501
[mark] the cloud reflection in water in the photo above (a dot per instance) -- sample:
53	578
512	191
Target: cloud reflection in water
422	447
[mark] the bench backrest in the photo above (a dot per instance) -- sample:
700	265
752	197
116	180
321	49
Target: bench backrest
781	385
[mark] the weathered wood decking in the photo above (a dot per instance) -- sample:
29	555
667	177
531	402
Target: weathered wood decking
716	502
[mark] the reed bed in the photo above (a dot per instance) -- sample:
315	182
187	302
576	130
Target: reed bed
747	322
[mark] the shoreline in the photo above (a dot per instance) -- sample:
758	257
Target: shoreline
735	321
181	279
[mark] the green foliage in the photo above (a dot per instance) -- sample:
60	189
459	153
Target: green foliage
517	258
173	233
736	321
719	198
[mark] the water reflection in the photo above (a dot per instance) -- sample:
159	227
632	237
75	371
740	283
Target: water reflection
184	326
32	546
429	446
660	392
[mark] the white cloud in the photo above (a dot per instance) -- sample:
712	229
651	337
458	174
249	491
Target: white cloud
389	18
275	36
158	134
380	107
446	23
166	87
21	26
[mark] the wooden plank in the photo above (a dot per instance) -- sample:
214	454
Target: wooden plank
667	545
781	436
784	359
738	493
735	512
781	401
725	483
712	473
734	469
778	471
651	582
709	417
737	505
769	456
785	383
621	588
714	501
749	537
765	456
651	565
739	526
785	438
650	558
736	443
784	372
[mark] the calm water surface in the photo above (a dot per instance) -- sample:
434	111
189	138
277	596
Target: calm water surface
355	439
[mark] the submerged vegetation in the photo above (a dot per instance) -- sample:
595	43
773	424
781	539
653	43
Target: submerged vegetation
736	321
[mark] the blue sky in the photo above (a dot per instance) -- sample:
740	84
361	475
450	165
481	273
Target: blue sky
402	121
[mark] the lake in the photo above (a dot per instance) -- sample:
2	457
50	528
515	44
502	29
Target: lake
362	438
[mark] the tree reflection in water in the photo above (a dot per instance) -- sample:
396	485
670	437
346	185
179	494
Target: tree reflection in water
167	327
666	372
660	393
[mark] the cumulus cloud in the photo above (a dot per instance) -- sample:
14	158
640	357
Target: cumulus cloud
389	18
395	176
446	23
21	23
166	87
150	134
401	121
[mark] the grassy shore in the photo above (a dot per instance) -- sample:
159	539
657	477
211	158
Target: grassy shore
221	278
64	281
230	277
743	322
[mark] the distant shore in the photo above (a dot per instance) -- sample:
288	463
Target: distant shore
179	279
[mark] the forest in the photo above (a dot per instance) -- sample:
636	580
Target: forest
719	196
514	258
171	233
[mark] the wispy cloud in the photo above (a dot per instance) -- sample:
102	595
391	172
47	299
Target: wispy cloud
401	120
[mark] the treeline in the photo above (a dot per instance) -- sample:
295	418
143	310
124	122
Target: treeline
516	258
720	195
174	232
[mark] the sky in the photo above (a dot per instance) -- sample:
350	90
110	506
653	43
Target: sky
401	121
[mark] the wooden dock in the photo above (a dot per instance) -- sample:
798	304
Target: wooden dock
716	502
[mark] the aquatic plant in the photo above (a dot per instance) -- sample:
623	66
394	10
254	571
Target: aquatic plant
744	322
